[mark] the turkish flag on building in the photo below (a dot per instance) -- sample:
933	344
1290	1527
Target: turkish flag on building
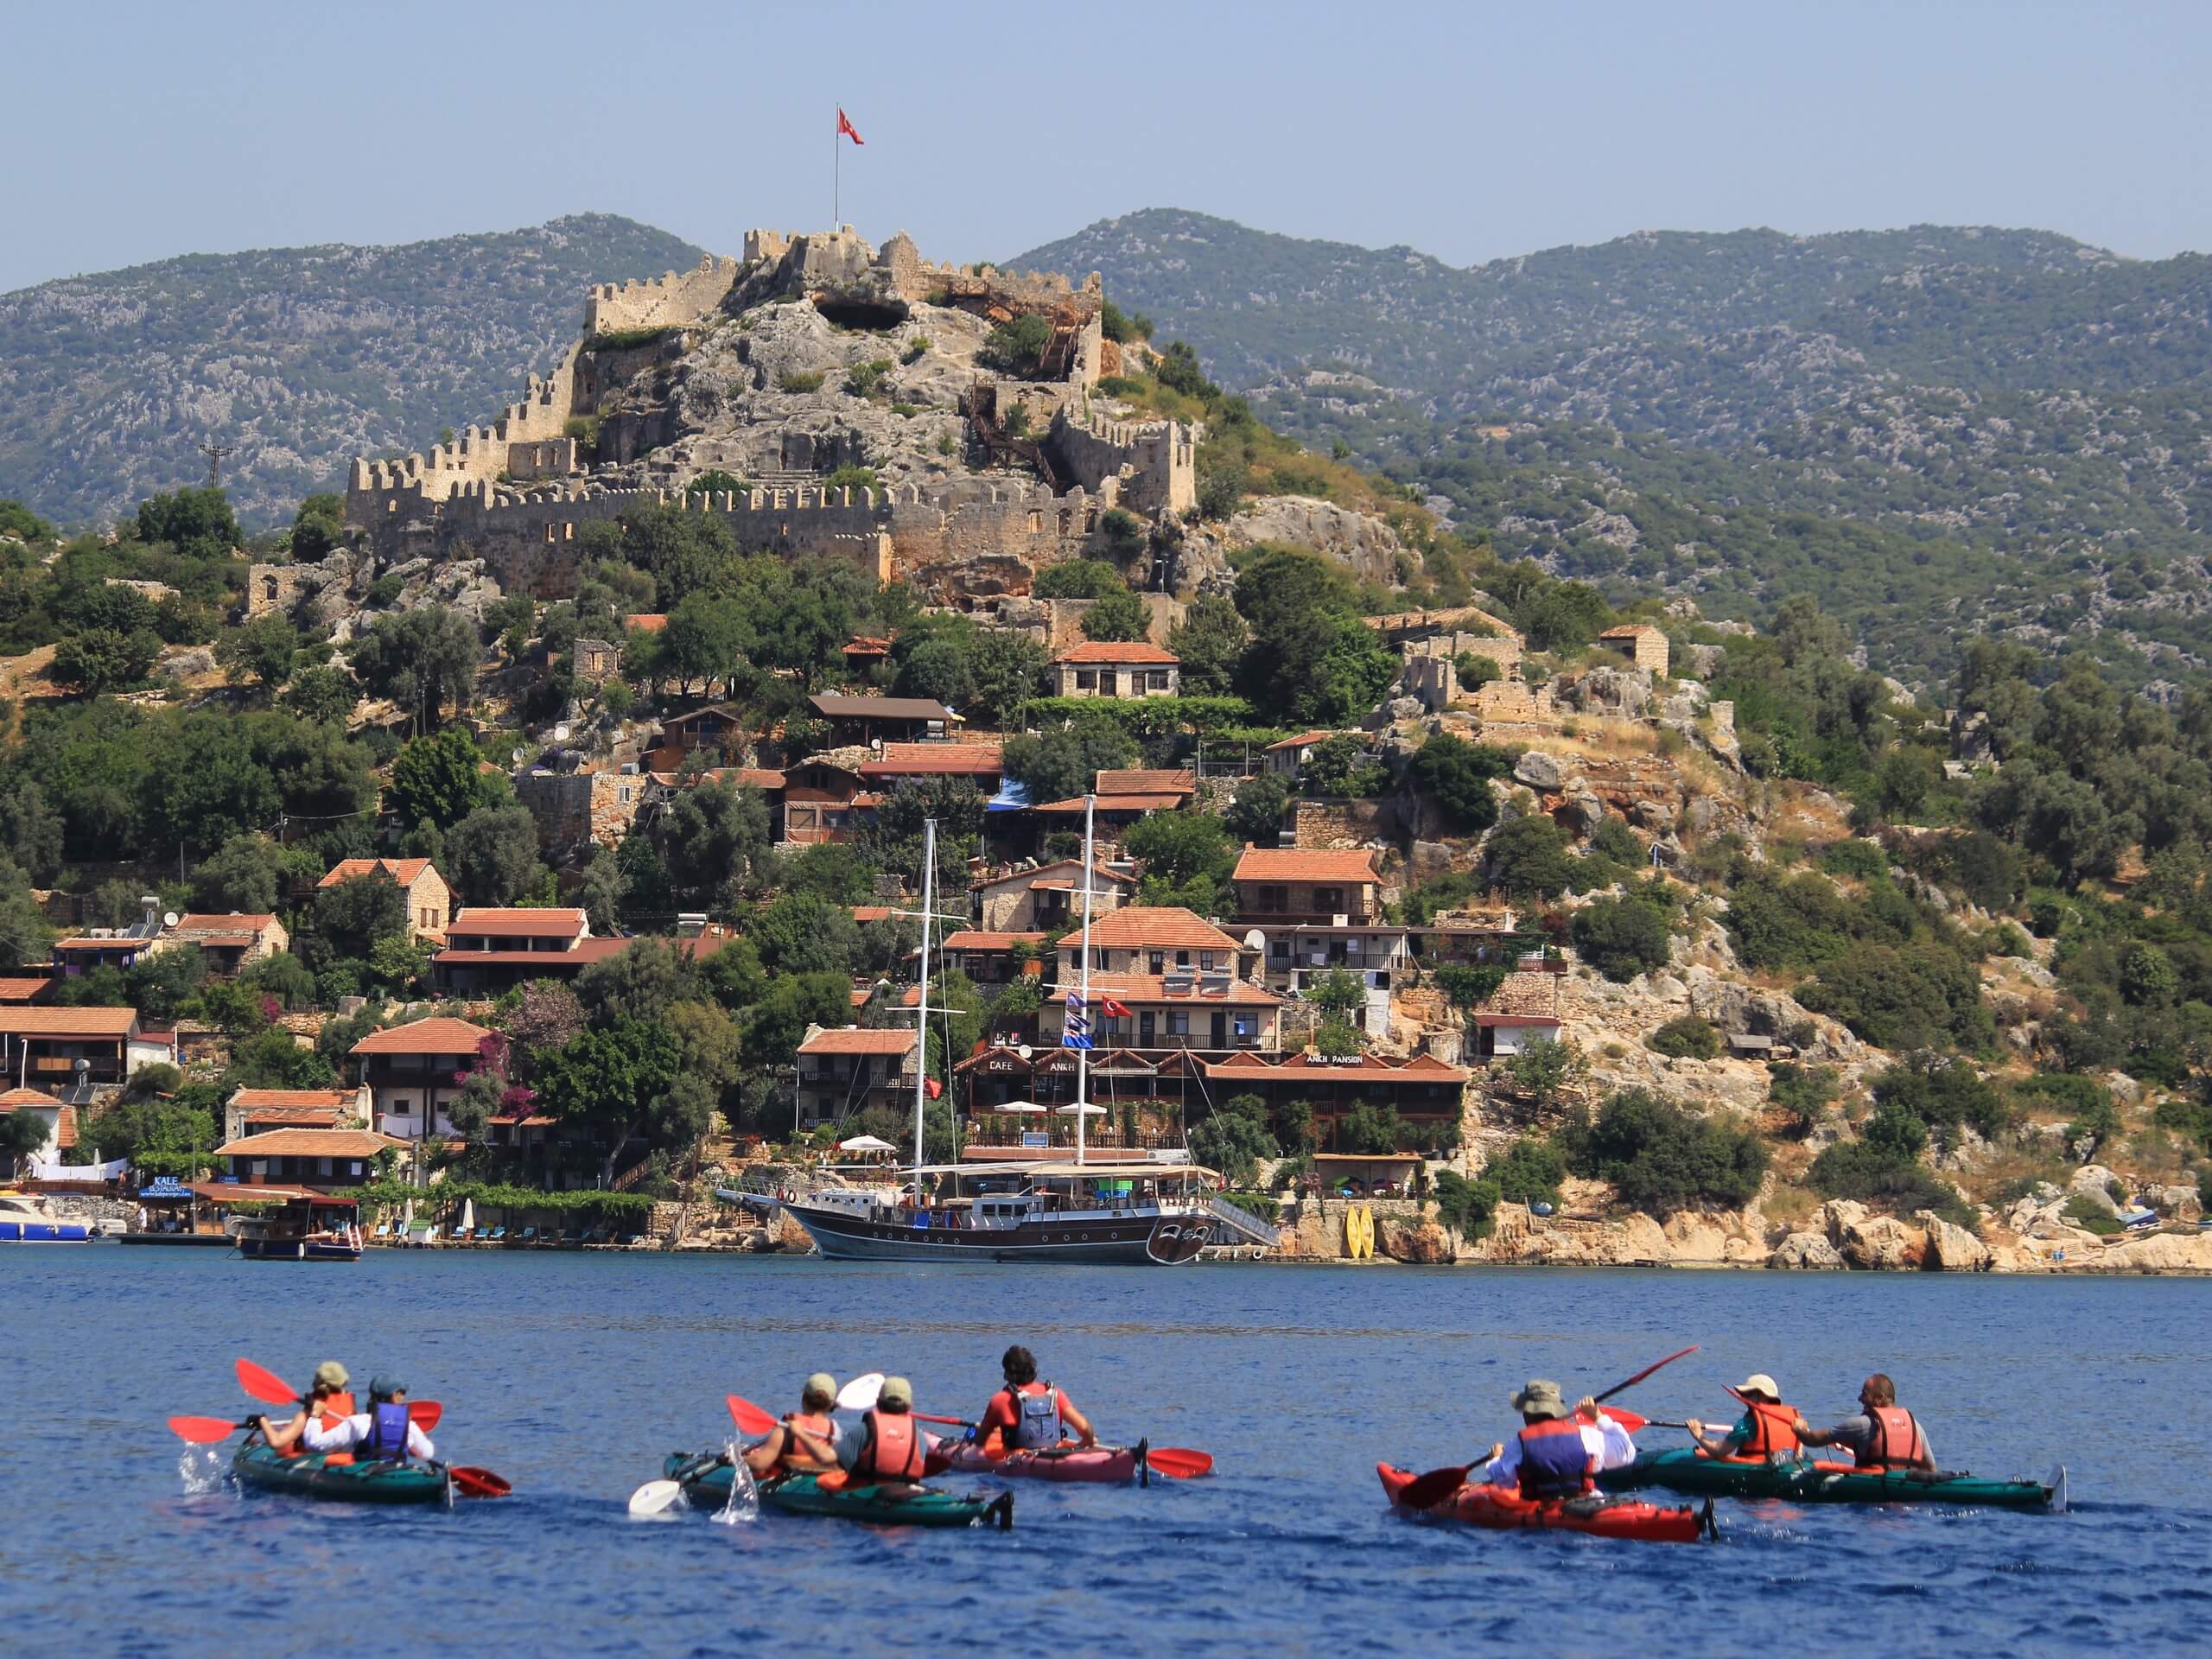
845	128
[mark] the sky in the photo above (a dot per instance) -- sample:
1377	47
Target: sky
1469	131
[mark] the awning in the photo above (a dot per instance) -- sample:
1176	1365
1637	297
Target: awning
261	1192
1012	798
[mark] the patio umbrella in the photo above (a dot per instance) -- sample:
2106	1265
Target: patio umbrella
866	1143
469	1215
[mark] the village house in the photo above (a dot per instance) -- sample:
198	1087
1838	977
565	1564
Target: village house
864	719
318	1158
1287	759
413	1071
1149	939
1429	1095
1293	884
490	951
1047	898
429	901
1462	937
1122	797
250	1111
822	802
1643	645
717	726
228	943
61	1122
848	1069
1182	1009
19	990
1105	668
77	1053
981	763
119	948
863	654
597	660
994	958
1522	1012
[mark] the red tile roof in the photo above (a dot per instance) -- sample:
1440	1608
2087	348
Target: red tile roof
519	924
232	923
1144	781
648	621
1043	876
1302	739
1113	650
1629	631
294	1117
852	1040
974	939
405	871
113	942
1160	926
1301	864
935	759
1114	804
437	1035
25	989
249	1100
16	1098
308	1143
110	1024
866	913
65	1117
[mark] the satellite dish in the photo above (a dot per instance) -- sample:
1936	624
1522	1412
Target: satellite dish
168	918
521	755
1255	940
561	733
1024	1050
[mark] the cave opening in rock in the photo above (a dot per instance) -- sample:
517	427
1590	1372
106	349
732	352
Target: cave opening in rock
872	314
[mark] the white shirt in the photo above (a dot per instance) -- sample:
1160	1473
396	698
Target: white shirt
1605	1440
349	1433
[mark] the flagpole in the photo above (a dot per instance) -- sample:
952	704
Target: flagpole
1090	1024
836	171
922	1018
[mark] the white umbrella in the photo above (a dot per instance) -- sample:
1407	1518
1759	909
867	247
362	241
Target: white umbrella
1087	1109
1013	1107
467	1217
866	1143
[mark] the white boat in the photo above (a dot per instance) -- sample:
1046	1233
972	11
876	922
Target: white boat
27	1218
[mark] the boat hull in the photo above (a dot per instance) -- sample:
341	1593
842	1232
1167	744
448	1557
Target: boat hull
45	1232
1100	1463
1498	1510
803	1495
296	1250
256	1465
1146	1238
1683	1469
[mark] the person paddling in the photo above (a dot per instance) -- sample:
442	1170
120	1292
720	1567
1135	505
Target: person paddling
1027	1416
1557	1452
1767	1430
805	1442
1884	1434
892	1448
326	1393
385	1432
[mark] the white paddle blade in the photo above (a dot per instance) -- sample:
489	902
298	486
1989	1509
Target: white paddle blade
2057	1485
656	1496
860	1394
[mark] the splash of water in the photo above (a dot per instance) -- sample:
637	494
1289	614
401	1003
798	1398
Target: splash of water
744	1506
202	1468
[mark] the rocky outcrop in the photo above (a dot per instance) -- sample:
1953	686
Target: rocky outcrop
1806	1251
1423	1242
1540	771
1878	1244
1367	545
1624	691
1951	1248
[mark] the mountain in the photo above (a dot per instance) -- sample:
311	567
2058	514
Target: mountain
302	358
1933	430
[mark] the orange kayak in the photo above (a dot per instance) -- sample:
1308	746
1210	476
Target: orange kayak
1490	1506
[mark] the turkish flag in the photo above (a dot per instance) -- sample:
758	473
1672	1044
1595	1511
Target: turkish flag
1113	1010
846	128
934	1087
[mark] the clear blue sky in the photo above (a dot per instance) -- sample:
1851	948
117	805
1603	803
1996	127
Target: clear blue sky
138	131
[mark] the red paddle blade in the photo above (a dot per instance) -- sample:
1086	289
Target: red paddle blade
748	1417
478	1483
1433	1487
425	1413
202	1431
1627	1419
266	1385
1180	1462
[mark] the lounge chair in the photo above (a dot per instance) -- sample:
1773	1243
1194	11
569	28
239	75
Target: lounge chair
483	1234
383	1231
499	1235
528	1236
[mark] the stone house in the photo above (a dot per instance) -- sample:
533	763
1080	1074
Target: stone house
598	660
1104	668
229	942
412	1072
1213	1012
994	958
845	1070
1292	884
250	1111
429	901
1047	898
1643	645
1149	939
1522	1012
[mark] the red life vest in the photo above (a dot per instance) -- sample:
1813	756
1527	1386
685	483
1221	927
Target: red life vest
892	1449
816	1424
1774	1428
1554	1463
1897	1440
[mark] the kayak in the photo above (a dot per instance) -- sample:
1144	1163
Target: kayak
922	1506
1096	1463
1490	1506
315	1476
1685	1469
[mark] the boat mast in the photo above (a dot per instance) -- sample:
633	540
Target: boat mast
1091	1021
922	1018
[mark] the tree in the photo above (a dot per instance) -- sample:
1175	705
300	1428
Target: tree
1660	1159
1338	995
161	984
272	1059
1188	860
491	855
1078	579
1015	347
1542	1072
1256	811
545	1018
199	524
603	891
1561	614
1234	1138
325	694
318	528
612	1082
713	840
263	650
1006	669
1685	1037
25	935
893	840
356	912
640	982
1904	779
1120	616
1456	775
100	659
422	660
1623	938
1470	984
1528	859
707	637
1312	659
31	831
245	873
1210	642
1061	765
438	779
686	552
801	934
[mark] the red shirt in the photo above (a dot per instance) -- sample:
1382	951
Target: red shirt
1000	1418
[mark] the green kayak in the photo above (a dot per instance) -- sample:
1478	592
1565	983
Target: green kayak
1805	1480
708	1487
313	1476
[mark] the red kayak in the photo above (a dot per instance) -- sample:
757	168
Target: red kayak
1096	1463
1488	1506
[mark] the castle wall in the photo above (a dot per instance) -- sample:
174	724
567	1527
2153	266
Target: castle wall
1160	456
664	302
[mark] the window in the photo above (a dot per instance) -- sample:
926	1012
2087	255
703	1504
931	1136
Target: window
1329	899
1182	958
1274	898
1086	679
1207	960
1158	960
1247	1027
1178	1023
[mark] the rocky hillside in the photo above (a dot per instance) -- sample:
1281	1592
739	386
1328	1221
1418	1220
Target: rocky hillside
301	357
1931	429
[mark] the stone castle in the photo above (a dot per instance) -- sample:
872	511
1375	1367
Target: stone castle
673	378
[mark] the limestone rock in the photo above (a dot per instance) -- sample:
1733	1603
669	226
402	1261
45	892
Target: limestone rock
2177	1203
1805	1250
1951	1248
185	663
1367	544
1424	1243
1871	1242
1539	770
2091	1182
1588	812
1624	691
1658	816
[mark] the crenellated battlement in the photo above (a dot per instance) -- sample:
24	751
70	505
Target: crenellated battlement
668	301
1154	463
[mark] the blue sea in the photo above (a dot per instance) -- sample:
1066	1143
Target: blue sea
572	1375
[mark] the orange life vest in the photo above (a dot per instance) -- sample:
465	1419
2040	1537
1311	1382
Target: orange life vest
893	1449
816	1424
1774	1428
1897	1440
334	1406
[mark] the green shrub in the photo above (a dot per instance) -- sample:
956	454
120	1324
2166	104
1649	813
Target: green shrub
2090	1218
796	380
1861	860
917	348
862	381
1876	1176
1622	938
1660	1159
623	340
849	477
1943	1094
1687	1038
1456	775
1015	347
1528	1172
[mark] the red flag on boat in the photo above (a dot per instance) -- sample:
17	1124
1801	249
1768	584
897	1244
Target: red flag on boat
845	128
933	1086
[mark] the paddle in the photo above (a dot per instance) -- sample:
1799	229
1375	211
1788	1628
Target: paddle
204	1430
655	1495
474	1482
266	1385
1440	1484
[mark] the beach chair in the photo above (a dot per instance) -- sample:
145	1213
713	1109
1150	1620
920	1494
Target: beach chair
483	1234
499	1235
383	1231
528	1236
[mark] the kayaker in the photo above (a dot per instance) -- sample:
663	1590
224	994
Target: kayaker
805	1442
326	1393
890	1445
1883	1435
1026	1414
1767	1429
383	1432
1557	1450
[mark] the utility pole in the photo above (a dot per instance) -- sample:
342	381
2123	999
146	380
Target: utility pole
215	453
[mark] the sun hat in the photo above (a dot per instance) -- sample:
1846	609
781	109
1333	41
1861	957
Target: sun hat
331	1374
1540	1397
1760	1384
821	1386
897	1391
383	1387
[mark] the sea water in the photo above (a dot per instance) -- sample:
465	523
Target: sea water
575	1375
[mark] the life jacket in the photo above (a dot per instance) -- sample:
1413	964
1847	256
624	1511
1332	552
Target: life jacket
332	1408
1554	1461
1037	1425
1774	1430
387	1430
892	1448
1897	1439
816	1424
